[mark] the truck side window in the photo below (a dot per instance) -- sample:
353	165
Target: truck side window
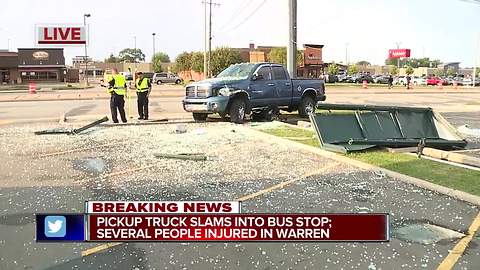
279	73
264	74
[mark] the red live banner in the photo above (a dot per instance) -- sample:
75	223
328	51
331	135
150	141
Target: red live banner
238	227
398	53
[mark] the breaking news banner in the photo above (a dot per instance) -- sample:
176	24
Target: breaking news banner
239	227
151	207
193	221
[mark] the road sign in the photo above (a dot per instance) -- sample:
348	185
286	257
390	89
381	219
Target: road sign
398	53
60	35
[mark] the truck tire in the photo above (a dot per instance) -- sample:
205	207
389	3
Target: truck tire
237	110
178	81
159	82
306	106
200	117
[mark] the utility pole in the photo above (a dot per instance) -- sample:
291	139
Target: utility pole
346	54
207	67
398	60
153	40
292	38
85	16
475	59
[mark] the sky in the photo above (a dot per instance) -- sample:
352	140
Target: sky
442	29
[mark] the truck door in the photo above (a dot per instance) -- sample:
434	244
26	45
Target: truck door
263	88
283	86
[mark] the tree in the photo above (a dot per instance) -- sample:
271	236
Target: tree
409	70
197	61
438	72
332	69
363	63
183	62
112	59
279	55
352	69
131	55
393	70
158	59
222	58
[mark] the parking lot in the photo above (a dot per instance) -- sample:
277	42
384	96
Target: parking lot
53	173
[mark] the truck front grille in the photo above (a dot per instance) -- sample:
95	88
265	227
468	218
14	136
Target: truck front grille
190	92
196	91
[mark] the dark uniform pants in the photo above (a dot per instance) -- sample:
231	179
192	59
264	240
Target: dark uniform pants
117	102
142	103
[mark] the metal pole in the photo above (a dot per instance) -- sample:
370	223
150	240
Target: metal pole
209	70
153	40
475	59
346	54
205	69
398	60
85	60
292	38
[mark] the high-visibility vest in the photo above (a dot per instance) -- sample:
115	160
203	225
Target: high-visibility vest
119	87
142	85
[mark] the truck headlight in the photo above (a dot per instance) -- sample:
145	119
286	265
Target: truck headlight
224	92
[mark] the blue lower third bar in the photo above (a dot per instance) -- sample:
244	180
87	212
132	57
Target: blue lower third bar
60	227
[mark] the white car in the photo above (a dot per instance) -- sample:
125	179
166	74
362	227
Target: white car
416	80
402	80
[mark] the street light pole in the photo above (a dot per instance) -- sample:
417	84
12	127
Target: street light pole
398	60
292	38
153	40
475	59
85	60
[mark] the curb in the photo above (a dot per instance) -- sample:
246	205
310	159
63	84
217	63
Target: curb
457	194
82	98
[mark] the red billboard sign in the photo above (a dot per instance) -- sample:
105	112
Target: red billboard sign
398	53
61	35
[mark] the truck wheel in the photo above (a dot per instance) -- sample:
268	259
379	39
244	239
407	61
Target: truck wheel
159	82
178	81
307	105
237	111
200	117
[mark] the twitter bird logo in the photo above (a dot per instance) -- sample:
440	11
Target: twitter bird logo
55	226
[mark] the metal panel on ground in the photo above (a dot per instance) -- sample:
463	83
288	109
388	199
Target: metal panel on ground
366	126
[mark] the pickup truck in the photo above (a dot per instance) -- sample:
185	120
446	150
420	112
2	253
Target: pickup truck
257	88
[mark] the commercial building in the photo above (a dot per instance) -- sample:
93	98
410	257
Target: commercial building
32	64
8	67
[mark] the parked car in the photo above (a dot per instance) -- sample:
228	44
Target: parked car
256	88
382	79
417	80
364	77
401	80
342	77
435	81
165	77
148	75
332	78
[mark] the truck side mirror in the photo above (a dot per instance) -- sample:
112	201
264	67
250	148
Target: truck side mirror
254	77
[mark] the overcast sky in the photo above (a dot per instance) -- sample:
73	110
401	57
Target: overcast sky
443	29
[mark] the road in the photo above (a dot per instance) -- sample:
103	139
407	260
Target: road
171	105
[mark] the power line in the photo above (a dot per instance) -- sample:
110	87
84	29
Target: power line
237	12
248	17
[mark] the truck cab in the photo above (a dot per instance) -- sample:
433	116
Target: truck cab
252	88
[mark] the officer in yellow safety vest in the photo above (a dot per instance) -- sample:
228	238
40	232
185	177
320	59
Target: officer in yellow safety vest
118	89
143	86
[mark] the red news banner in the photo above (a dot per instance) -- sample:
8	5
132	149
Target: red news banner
238	227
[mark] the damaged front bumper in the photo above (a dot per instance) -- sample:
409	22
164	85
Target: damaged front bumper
216	104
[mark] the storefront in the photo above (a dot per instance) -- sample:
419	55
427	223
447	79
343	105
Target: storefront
312	66
8	67
41	65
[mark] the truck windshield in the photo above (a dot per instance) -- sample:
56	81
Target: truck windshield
239	71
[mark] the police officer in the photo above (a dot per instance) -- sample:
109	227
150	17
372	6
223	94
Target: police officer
118	89
143	86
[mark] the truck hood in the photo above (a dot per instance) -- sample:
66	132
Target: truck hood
218	82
